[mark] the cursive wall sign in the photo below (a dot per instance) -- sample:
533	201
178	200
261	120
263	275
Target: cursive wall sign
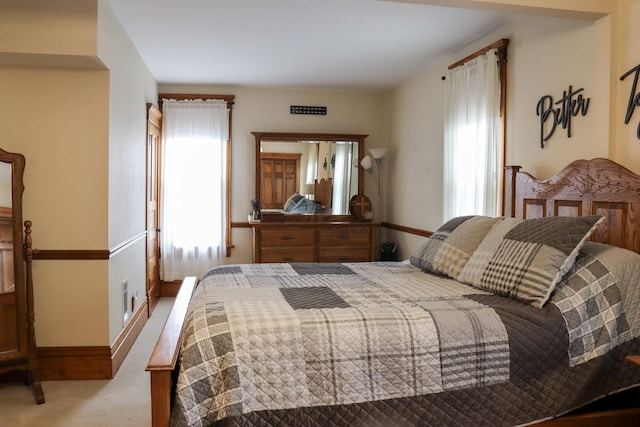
569	107
634	96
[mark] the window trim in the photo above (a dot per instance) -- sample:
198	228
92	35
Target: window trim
230	100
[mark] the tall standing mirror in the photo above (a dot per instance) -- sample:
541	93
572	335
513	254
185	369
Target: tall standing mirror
323	168
17	336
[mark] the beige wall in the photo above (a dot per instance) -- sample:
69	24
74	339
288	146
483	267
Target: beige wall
60	27
546	55
58	119
625	145
81	126
574	9
267	109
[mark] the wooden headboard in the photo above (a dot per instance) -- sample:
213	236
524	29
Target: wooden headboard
585	187
324	192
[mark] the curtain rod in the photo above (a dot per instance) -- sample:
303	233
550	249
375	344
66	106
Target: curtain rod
501	52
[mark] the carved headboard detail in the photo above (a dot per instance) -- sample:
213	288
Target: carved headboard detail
585	187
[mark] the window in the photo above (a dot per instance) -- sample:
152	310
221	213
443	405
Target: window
195	196
342	171
475	95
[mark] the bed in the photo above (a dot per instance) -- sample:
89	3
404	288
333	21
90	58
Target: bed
493	321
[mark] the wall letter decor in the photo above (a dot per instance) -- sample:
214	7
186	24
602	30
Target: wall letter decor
569	107
634	97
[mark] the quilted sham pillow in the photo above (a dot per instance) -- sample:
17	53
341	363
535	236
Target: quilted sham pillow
292	201
525	259
448	249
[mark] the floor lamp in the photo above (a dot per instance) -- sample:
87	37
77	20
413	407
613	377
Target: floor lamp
377	154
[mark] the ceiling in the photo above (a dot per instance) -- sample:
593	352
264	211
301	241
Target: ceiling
341	44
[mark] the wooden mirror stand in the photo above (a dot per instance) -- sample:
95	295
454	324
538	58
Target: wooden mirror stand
17	333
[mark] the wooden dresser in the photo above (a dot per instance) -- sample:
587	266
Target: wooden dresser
314	241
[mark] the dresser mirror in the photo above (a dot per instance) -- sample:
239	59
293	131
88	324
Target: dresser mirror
318	166
17	336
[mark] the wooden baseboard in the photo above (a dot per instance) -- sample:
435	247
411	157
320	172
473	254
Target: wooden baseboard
74	363
123	343
91	362
153	297
405	229
170	289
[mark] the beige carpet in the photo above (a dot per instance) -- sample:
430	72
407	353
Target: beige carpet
123	401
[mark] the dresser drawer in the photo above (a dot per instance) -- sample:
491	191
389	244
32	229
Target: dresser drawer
344	236
299	254
286	237
358	254
314	241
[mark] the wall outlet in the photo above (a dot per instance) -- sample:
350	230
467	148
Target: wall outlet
125	301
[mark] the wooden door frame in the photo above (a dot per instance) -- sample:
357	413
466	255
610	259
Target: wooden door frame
154	119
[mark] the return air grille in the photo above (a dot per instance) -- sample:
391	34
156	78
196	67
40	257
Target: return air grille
305	109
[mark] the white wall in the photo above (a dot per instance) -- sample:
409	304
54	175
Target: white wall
131	87
5	185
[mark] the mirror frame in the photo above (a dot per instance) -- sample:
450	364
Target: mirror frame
306	136
17	162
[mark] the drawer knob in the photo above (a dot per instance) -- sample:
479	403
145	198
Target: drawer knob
344	237
288	237
344	258
287	259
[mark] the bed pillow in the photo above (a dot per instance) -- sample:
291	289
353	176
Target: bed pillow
525	259
292	201
485	251
303	206
448	249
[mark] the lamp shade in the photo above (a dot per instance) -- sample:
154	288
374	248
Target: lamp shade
308	189
378	153
366	163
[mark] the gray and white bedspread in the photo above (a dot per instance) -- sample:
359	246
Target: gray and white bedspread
388	344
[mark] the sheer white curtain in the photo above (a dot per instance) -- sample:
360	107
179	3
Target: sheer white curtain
193	209
341	178
312	163
472	134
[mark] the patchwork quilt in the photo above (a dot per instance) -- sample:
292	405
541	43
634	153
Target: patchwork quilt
386	344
